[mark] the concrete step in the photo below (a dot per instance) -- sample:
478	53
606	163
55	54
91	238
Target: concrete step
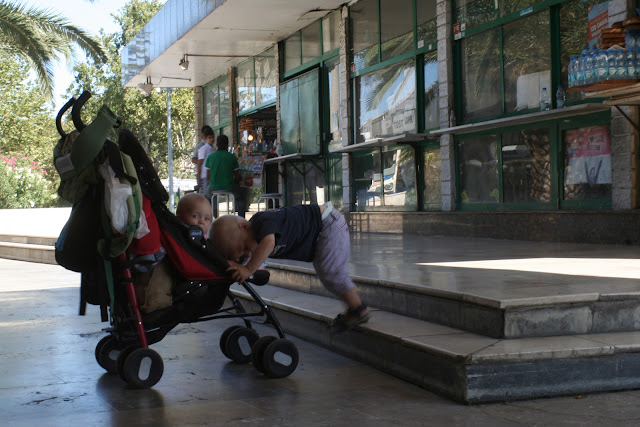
28	248
537	316
464	366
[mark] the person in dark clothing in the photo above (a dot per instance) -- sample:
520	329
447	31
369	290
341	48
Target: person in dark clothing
312	233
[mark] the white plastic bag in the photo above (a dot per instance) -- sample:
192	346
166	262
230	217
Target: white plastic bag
115	194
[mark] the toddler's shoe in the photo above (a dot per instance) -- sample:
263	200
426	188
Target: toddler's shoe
350	319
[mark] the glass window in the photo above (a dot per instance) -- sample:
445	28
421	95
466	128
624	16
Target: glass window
396	17
266	77
334	176
481	80
427	25
471	13
368	180
526	174
365	33
294	184
245	84
527	62
292	54
211	101
333	78
574	34
313	183
386	101
399	178
311	46
432	181
510	6
478	164
587	163
431	91
216	103
223	93
331	31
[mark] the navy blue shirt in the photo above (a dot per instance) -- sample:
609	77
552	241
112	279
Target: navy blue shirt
295	229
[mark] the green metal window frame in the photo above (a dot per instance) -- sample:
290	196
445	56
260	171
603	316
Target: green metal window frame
255	106
216	83
556	170
309	64
417	55
394	208
499	22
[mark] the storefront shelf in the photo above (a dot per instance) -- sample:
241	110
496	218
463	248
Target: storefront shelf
574	110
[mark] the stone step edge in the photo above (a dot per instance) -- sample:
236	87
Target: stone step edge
32	246
465	297
25	239
448	342
613	367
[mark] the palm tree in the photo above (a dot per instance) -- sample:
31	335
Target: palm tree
39	37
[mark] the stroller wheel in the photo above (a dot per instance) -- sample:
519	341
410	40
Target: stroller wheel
257	352
143	368
107	351
280	358
223	339
239	344
122	357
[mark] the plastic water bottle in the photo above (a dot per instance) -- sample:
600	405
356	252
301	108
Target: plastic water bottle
581	70
622	72
602	66
560	97
612	61
570	71
589	69
545	100
630	63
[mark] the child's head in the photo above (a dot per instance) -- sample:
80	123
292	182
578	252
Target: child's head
233	237
195	209
208	136
222	142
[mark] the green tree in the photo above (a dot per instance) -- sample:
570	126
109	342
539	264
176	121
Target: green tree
39	37
27	138
145	116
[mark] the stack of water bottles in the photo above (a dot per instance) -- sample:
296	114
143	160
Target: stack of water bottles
598	65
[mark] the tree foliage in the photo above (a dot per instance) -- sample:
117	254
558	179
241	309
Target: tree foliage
145	116
38	37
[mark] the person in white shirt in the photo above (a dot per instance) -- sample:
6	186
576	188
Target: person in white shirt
203	152
194	156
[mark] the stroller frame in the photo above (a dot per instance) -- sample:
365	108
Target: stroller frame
126	349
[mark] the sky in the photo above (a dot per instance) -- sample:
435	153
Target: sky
90	17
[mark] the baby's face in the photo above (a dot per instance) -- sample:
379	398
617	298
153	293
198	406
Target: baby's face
198	213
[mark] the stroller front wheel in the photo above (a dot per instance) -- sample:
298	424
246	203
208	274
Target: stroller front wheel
239	343
107	351
280	358
143	368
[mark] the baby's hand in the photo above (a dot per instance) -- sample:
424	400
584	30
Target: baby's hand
239	272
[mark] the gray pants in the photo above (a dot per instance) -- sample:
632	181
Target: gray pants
331	259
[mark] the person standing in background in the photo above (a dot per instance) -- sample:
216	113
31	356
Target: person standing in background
194	156
203	153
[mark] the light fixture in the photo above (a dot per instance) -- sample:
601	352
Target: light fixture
145	88
184	63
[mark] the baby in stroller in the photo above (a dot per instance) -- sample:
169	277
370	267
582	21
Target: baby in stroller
192	274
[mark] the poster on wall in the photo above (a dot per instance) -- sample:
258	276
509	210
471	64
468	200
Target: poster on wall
588	152
251	170
598	17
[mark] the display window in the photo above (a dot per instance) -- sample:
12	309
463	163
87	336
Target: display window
587	163
431	102
386	102
478	169
385	178
526	171
216	103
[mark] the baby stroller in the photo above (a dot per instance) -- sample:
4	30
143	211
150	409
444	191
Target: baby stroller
110	262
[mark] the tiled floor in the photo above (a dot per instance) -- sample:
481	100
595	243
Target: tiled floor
48	376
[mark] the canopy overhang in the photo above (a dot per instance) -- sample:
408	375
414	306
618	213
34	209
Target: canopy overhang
215	35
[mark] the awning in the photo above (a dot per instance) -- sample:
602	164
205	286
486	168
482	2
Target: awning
226	31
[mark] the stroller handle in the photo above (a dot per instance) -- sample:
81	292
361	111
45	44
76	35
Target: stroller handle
63	110
75	111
